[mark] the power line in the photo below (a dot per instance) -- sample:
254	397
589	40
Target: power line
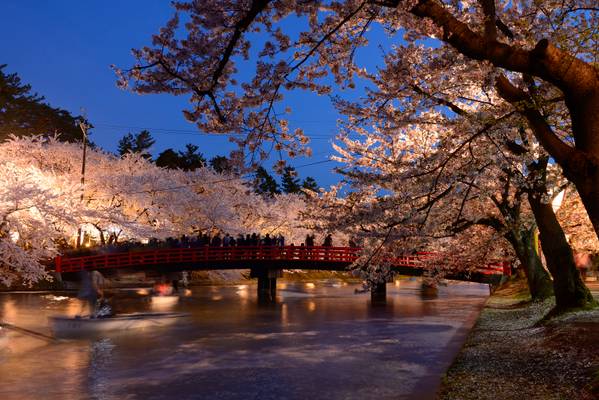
314	163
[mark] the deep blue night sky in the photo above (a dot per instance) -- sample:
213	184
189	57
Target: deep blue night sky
64	49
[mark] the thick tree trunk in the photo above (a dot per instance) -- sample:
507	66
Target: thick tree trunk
539	281
570	291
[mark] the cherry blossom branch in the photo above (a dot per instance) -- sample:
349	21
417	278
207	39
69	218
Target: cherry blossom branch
541	129
545	61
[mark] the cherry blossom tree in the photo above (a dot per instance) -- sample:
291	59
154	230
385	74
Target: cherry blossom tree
503	63
439	156
43	203
37	211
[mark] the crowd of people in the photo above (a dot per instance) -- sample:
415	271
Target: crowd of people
203	239
254	239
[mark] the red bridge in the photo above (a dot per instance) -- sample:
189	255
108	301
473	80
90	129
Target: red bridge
267	262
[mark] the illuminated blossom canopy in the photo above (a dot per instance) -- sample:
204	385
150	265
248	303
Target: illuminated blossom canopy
42	206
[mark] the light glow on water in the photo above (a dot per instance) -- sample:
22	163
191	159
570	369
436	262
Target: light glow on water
231	346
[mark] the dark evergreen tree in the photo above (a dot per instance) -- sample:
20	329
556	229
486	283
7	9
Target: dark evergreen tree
168	159
25	113
126	144
310	184
289	181
265	184
143	143
187	160
221	164
190	158
138	143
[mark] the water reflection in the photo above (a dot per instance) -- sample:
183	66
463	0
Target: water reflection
313	343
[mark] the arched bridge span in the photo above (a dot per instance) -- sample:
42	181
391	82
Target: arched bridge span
263	260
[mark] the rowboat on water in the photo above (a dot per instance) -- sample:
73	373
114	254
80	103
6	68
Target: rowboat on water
76	326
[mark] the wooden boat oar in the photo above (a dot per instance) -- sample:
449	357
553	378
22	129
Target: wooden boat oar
29	332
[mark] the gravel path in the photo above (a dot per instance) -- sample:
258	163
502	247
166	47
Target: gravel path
508	357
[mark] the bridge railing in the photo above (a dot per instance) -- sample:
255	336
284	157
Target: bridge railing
236	254
208	254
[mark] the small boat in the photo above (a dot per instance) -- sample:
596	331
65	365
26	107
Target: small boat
77	326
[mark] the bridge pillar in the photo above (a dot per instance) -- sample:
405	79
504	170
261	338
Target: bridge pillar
429	291
267	283
378	293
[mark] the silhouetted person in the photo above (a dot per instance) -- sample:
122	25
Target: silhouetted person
216	241
309	240
351	243
328	241
267	240
91	289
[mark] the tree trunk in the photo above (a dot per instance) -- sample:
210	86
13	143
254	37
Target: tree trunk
102	238
570	291
539	281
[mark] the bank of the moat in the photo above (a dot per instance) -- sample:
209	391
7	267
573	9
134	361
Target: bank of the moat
510	355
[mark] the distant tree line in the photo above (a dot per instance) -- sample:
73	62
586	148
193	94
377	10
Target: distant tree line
189	159
23	112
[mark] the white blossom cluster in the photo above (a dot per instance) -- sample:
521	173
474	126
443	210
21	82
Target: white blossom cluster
43	204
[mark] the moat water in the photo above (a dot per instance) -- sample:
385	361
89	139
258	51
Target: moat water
320	340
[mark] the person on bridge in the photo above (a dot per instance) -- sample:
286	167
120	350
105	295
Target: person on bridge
310	240
216	241
267	241
91	289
